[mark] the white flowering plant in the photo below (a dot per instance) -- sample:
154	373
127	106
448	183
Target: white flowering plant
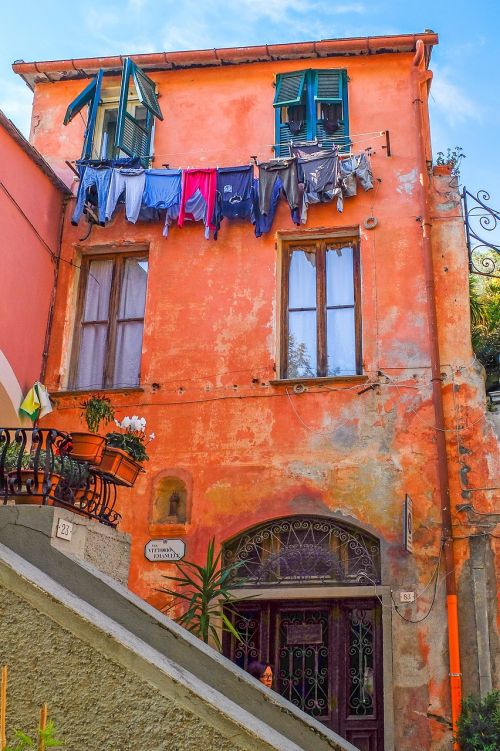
133	440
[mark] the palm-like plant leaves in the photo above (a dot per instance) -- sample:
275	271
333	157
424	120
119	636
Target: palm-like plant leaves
205	592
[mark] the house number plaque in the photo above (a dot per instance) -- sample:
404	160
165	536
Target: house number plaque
304	633
165	550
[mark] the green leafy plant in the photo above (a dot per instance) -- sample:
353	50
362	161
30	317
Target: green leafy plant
97	409
204	591
46	739
453	157
133	440
479	723
11	458
485	320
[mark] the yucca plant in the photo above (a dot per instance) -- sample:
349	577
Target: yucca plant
204	591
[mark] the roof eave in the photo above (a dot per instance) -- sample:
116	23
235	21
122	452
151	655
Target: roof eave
56	70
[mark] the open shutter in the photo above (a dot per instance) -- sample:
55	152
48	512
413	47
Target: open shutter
84	97
289	88
330	88
146	91
91	95
134	136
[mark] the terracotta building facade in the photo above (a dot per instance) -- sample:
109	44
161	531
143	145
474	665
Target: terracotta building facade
315	401
32	201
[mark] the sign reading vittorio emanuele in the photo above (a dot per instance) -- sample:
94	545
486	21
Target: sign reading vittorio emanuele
165	550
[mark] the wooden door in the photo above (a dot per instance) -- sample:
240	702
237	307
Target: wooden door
326	658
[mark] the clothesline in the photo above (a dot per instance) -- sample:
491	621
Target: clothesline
309	175
355	138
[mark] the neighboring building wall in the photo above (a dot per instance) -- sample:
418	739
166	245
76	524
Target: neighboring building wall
31	200
250	450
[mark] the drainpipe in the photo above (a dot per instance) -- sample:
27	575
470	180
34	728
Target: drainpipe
57	263
420	76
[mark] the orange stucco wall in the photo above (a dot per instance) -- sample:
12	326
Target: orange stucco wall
253	451
27	269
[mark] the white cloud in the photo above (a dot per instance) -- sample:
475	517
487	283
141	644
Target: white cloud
450	99
16	101
348	8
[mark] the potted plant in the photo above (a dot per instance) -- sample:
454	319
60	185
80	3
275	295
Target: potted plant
126	451
74	484
89	447
28	477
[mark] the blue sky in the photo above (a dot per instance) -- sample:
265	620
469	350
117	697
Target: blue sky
465	98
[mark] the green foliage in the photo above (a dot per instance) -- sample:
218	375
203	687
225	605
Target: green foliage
131	443
22	741
453	157
204	591
97	409
75	473
479	723
11	458
485	320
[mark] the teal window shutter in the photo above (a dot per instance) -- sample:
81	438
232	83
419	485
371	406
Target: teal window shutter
289	88
146	91
328	85
84	97
132	137
332	115
91	119
91	95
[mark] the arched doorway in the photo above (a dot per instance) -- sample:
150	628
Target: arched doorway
326	649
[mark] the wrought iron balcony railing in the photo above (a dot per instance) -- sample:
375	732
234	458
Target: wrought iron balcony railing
36	467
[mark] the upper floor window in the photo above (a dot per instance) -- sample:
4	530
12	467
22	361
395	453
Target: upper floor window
321	318
107	346
311	105
119	121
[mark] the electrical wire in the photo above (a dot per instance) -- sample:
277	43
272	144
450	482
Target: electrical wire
434	593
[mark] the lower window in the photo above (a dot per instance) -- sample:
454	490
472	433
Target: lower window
110	321
321	321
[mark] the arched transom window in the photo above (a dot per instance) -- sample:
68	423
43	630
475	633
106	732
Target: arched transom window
303	549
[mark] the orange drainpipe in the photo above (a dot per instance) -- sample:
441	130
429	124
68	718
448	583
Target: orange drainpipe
420	77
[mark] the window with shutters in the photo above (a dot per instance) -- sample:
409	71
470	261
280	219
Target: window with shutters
120	120
320	308
107	344
311	105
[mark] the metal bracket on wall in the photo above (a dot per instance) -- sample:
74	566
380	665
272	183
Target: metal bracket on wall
484	254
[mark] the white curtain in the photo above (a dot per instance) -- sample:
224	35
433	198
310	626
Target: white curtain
129	333
94	335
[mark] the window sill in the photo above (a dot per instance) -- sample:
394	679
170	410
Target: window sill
83	392
319	380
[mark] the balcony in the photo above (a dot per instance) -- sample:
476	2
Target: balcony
36	467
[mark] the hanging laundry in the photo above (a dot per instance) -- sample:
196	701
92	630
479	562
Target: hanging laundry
200	185
356	166
286	170
320	176
37	402
235	186
162	190
131	182
264	222
233	199
92	177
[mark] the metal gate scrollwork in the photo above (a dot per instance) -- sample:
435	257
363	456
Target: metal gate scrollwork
484	252
299	550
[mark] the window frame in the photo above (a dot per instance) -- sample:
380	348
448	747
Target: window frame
119	259
311	101
318	243
110	100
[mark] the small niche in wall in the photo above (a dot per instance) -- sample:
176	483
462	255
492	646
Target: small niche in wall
170	501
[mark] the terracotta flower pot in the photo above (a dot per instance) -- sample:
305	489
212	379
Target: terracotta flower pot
120	466
87	447
28	492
